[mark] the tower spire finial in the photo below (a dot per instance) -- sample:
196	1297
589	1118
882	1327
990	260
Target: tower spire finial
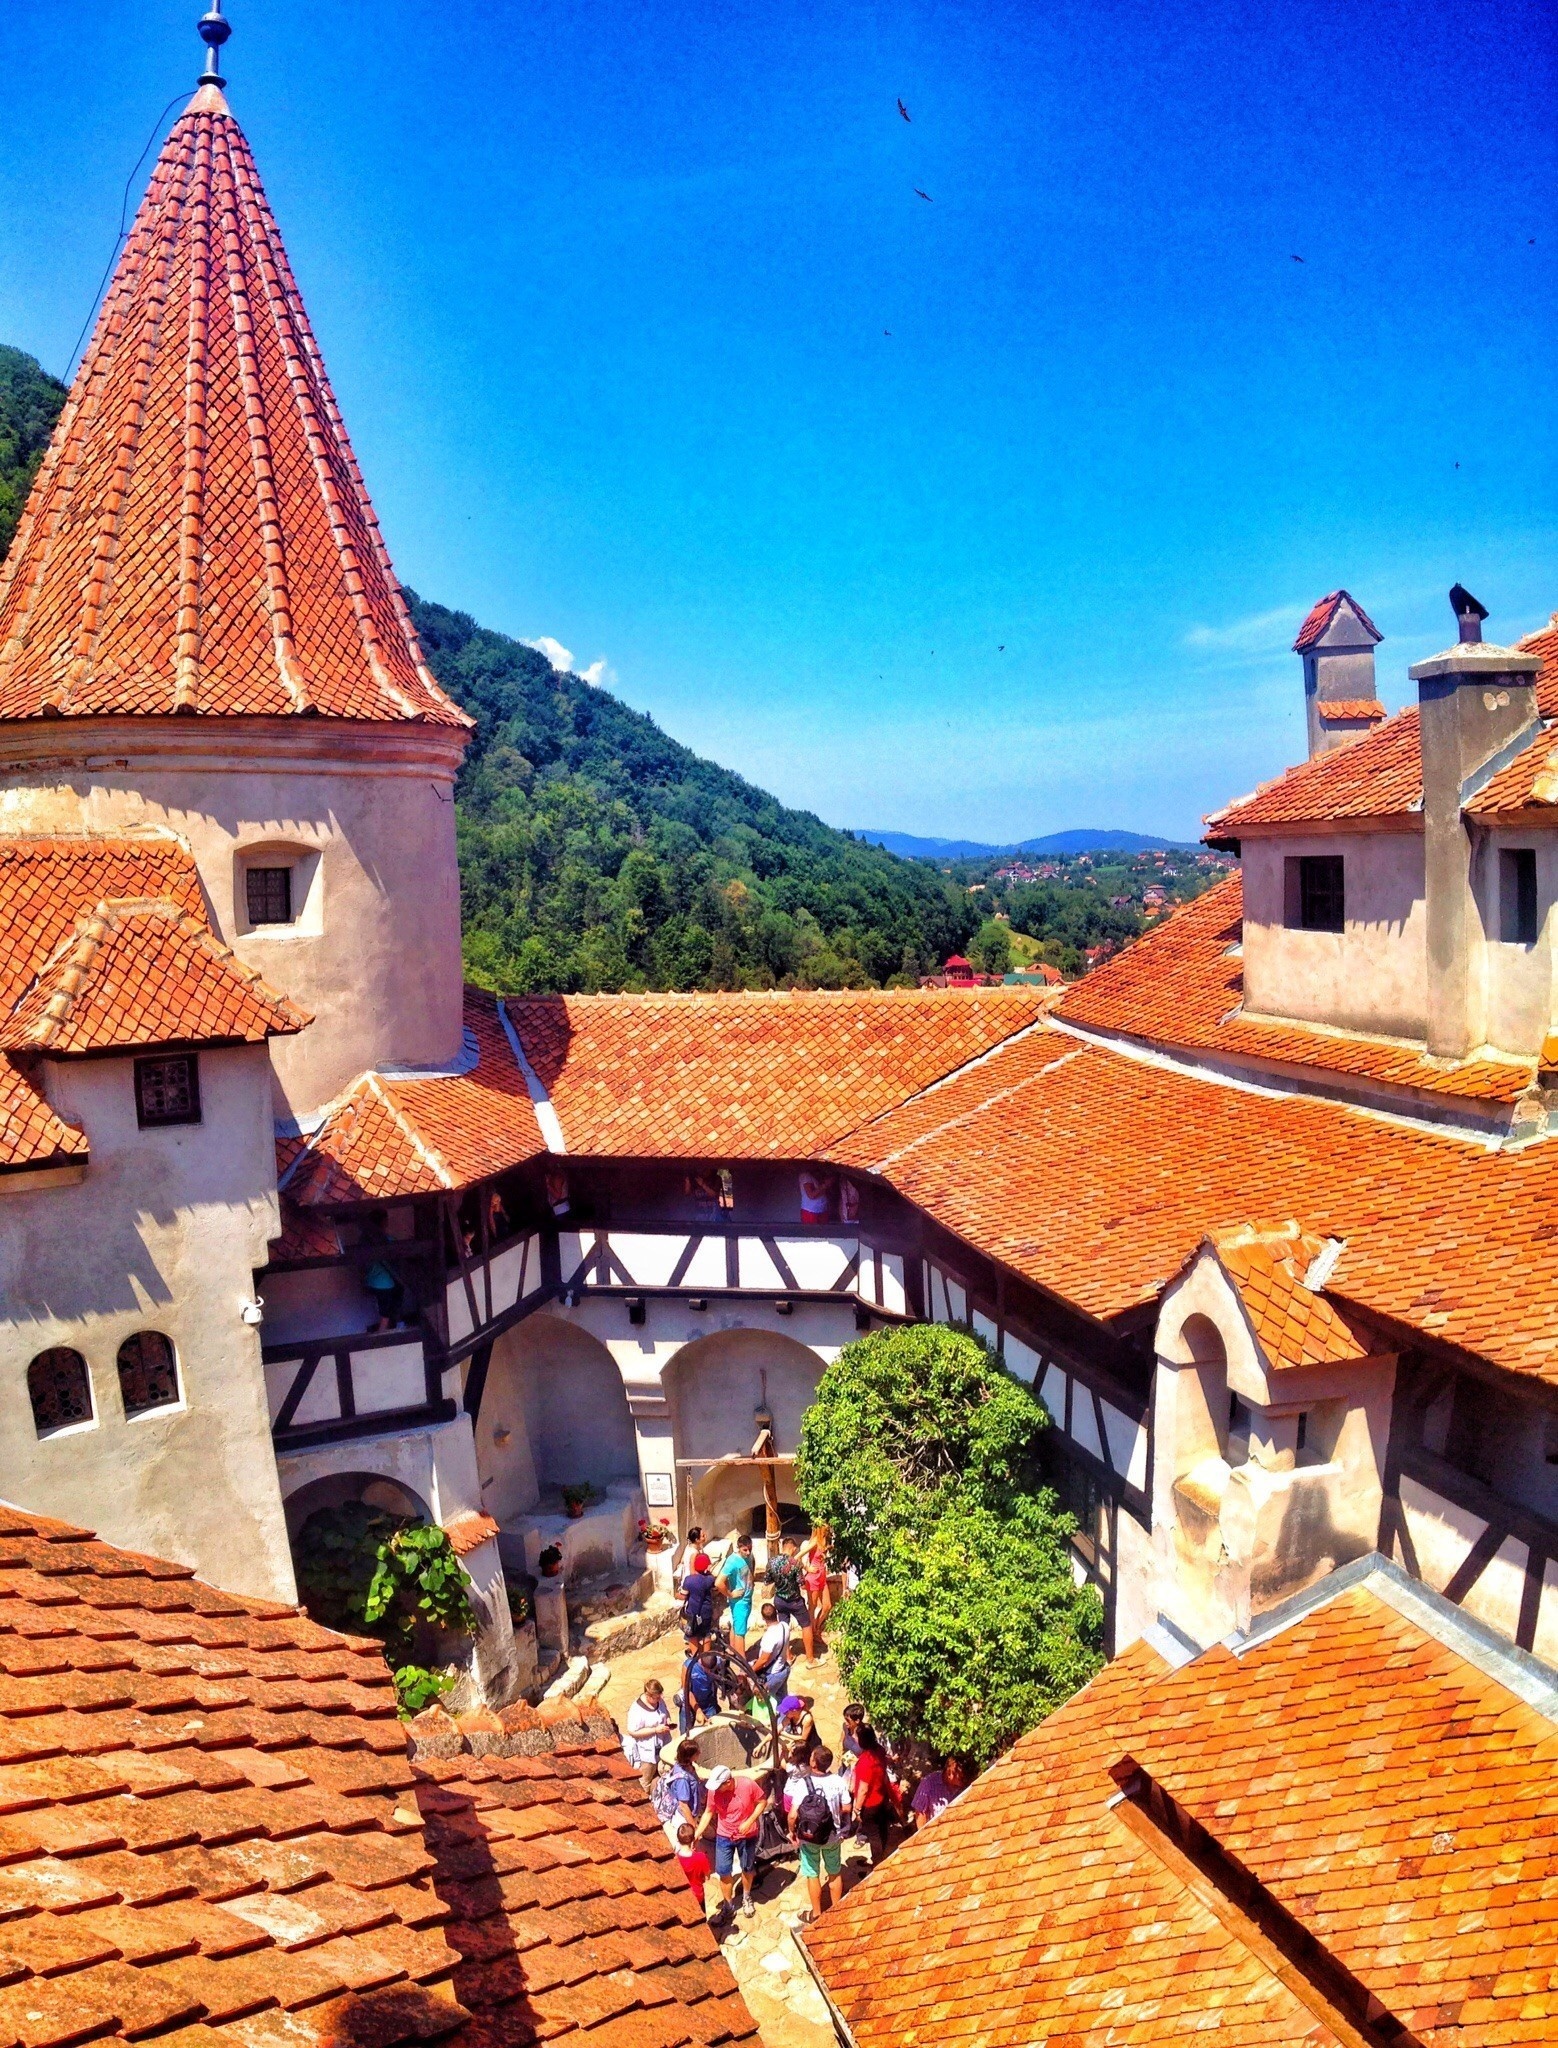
214	29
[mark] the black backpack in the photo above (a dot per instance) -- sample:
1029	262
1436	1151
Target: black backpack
814	1817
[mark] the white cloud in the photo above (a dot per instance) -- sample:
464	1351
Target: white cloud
1261	633
598	674
554	650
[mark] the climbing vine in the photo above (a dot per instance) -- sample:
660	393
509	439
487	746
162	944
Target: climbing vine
391	1576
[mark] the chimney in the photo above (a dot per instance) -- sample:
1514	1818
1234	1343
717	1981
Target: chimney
1477	710
1337	643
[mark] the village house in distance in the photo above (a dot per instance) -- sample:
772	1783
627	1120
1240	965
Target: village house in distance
1265	1209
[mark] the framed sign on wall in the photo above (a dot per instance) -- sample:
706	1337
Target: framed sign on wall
658	1489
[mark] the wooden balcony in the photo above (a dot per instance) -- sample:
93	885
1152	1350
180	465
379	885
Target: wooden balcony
321	1389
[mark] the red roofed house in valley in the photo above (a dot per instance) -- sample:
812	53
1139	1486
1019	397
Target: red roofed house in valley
1265	1208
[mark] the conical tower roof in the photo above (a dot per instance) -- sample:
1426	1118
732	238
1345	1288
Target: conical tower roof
199	539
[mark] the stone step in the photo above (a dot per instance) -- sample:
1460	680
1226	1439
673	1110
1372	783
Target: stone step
572	1677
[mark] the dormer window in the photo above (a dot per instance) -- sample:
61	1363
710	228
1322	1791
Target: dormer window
1315	893
269	895
1517	909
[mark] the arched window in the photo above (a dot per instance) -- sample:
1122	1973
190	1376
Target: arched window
148	1372
60	1389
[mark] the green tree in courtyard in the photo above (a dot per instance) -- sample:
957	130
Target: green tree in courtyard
920	1452
968	1635
905	1422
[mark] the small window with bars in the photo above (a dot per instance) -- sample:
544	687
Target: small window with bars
148	1373
60	1390
270	895
167	1090
1315	893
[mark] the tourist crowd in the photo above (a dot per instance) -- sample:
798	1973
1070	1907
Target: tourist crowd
804	1801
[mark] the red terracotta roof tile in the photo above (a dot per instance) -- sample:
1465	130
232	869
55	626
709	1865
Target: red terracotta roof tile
148	1886
1293	1322
743	1076
1172	1156
31	1133
1182	984
1388	1794
1381	775
469	1531
1320	615
1350	710
199	539
402	1137
48	884
142	972
749	1076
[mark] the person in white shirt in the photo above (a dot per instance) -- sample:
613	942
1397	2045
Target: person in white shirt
772	1661
821	1862
647	1732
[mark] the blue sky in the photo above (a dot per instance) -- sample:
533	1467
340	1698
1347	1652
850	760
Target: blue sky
603	288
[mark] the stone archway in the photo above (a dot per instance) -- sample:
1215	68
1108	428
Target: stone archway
336	1489
714	1388
554	1412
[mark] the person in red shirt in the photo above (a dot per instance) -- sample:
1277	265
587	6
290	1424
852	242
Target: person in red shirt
696	1867
870	1792
735	1811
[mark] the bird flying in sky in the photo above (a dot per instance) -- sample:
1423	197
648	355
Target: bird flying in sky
903	110
922	195
1295	259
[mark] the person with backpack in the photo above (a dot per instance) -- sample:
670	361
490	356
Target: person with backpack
819	1814
680	1797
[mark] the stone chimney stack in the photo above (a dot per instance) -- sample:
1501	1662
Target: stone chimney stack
1477	709
1337	643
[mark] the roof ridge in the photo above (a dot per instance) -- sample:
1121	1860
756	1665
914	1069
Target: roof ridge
75	958
964	1116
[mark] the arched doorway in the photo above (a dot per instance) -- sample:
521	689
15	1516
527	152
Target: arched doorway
336	1489
554	1413
715	1388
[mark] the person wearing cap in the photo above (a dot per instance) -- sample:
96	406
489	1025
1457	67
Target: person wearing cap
698	1600
735	1810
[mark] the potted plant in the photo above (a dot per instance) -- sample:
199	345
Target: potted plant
550	1562
655	1534
576	1498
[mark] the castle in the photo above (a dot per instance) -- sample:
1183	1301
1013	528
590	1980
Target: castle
1266	1209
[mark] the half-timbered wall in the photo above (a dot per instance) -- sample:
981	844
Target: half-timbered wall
1470	1486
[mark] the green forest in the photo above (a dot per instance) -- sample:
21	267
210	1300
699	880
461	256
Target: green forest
30	401
597	853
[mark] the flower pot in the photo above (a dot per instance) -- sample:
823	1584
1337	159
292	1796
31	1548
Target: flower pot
574	1509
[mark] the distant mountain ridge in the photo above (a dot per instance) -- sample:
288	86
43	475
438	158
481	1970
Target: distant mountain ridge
1080	839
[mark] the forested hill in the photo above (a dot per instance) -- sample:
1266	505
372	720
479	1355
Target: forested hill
30	401
597	853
